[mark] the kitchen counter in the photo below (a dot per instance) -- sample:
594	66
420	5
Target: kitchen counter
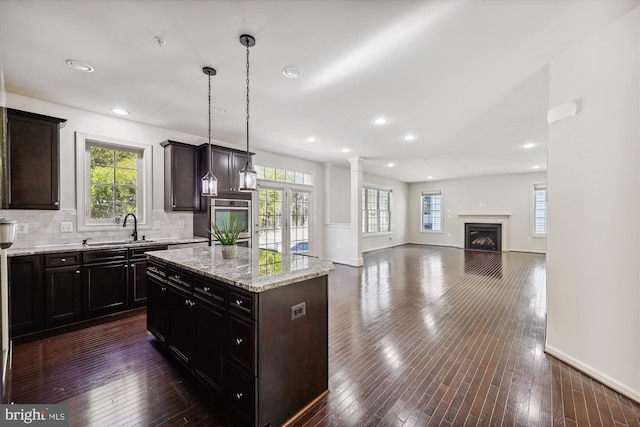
255	270
95	246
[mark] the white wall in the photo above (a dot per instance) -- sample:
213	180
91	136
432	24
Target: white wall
340	211
593	278
485	197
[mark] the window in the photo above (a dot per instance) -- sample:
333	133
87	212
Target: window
432	210
540	209
283	175
376	210
114	179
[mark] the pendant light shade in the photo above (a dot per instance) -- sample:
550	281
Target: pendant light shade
248	175
209	180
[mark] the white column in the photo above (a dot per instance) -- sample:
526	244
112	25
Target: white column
327	191
355	232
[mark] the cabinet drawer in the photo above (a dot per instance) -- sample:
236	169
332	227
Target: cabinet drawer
157	271
135	253
59	260
241	341
179	277
210	290
104	256
241	394
241	303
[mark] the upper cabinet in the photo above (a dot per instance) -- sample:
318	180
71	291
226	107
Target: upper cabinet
226	164
34	159
181	185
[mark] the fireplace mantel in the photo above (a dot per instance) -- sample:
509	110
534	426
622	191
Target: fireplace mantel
485	218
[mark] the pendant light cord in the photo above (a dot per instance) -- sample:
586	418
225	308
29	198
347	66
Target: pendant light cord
247	100
209	163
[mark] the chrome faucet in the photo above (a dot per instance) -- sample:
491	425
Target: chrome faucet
135	225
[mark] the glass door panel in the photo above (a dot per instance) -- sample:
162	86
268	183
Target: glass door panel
270	214
299	209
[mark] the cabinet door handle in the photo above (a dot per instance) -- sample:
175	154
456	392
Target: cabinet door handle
177	277
239	302
207	289
77	271
239	396
191	303
126	266
155	270
163	289
56	203
132	265
63	259
239	341
186	302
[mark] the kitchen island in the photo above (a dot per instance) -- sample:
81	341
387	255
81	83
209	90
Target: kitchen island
253	329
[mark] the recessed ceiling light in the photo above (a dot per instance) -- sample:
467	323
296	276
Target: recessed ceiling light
311	139
390	164
529	145
429	177
380	121
345	150
79	66
409	137
292	72
535	167
120	111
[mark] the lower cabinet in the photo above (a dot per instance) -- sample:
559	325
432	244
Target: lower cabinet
63	294
51	290
157	301
26	294
208	354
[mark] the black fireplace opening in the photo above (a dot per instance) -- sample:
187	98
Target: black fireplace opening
485	237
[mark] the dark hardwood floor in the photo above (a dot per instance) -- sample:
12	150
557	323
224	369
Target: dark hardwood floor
419	336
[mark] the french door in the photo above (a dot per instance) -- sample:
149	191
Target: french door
284	218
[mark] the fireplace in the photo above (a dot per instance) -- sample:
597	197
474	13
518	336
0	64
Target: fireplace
481	236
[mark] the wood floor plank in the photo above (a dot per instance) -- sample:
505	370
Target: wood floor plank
419	336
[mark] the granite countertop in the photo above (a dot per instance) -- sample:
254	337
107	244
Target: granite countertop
96	246
255	270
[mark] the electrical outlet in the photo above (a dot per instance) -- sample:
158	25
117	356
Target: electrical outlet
298	310
181	224
66	227
157	224
23	228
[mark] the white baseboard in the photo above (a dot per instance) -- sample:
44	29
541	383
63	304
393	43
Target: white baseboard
594	373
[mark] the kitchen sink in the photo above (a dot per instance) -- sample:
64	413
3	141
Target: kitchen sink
119	242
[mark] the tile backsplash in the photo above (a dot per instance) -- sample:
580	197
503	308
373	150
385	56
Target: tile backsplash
43	227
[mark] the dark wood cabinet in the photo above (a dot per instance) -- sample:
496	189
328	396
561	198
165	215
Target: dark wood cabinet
26	294
208	354
137	280
33	145
247	346
52	290
157	301
181	181
63	294
226	164
105	278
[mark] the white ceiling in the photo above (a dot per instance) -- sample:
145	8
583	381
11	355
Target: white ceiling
468	78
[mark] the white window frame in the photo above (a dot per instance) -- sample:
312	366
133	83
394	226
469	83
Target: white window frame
83	180
535	188
378	233
434	192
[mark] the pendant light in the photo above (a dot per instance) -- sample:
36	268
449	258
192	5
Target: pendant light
248	175
209	181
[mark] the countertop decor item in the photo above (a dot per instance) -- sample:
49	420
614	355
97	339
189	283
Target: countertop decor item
227	235
248	175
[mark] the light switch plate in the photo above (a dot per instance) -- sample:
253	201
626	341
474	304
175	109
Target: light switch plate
66	227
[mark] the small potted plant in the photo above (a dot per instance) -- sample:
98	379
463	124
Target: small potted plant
227	235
